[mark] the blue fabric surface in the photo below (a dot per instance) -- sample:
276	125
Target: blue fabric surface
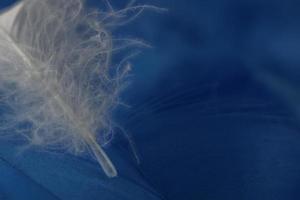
35	174
215	104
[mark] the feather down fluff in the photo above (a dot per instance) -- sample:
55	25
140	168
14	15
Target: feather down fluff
56	79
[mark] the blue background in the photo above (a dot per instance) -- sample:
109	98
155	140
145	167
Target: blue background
214	104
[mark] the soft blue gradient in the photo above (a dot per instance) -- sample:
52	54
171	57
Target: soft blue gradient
215	103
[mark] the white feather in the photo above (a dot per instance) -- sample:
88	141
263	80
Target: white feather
56	77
